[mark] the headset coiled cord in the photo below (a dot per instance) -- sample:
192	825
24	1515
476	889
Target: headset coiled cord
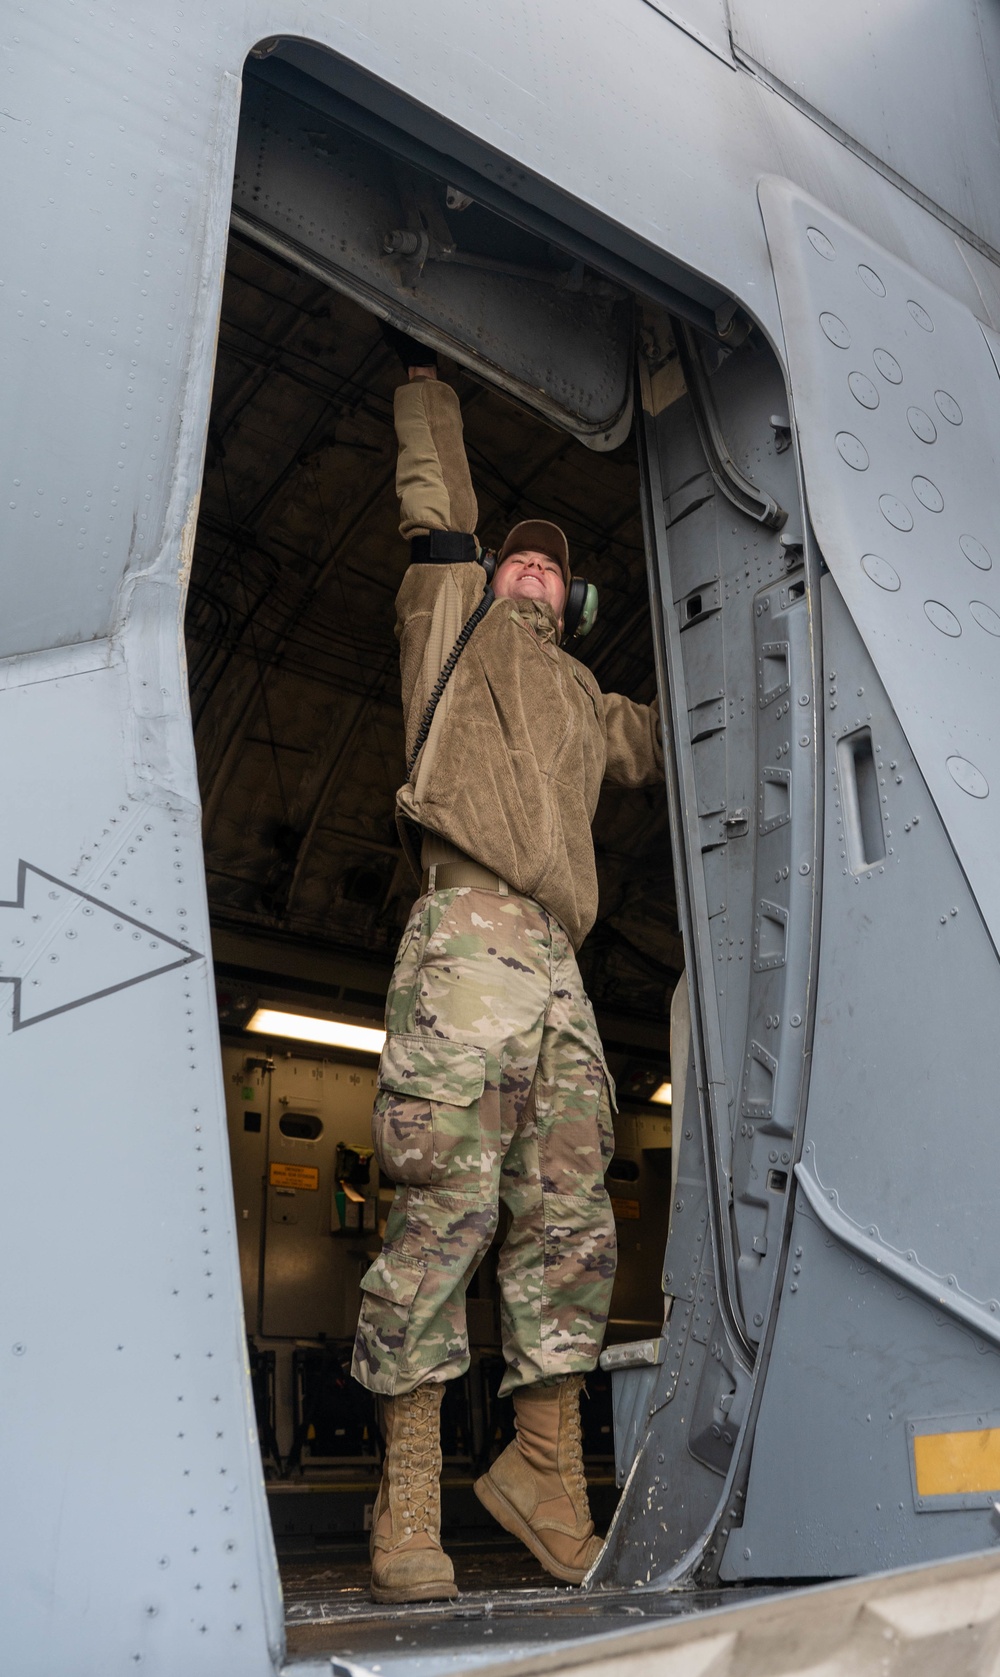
469	626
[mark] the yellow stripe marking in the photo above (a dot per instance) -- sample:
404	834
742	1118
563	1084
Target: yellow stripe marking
957	1463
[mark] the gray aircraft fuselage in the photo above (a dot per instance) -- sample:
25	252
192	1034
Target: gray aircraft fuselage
797	211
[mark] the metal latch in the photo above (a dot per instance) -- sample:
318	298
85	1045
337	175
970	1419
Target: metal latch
782	432
639	1353
719	829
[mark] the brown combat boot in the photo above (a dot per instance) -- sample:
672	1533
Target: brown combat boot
537	1488
408	1562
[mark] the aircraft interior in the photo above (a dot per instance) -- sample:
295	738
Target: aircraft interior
295	695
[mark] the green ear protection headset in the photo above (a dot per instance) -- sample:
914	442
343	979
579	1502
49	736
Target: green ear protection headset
451	547
580	611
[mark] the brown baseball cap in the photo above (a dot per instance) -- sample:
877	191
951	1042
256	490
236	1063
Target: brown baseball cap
537	535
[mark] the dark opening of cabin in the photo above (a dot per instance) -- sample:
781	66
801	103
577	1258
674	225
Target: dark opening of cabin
295	691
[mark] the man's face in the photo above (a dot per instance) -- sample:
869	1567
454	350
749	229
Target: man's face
531	576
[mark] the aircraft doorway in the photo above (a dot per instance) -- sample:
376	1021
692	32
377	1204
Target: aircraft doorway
295	694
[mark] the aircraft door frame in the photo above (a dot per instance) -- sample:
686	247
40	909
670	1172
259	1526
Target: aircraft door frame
739	1195
734	578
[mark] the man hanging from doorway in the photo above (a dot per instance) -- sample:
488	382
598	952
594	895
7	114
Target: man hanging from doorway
493	1083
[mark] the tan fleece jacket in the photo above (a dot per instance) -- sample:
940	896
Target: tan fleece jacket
523	738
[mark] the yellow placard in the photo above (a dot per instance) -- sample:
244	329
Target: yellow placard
957	1463
625	1210
294	1176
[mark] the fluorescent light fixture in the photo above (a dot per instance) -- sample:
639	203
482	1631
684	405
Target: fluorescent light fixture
333	1033
663	1096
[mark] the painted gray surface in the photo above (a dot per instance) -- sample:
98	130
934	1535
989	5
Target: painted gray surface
670	1497
742	667
121	138
877	73
739	650
834	1452
111	291
66	948
706	20
897	400
858	1354
329	198
129	1457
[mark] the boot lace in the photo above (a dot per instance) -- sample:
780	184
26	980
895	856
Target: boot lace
419	1464
575	1477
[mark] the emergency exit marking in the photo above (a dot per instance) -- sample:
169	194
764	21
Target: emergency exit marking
294	1176
625	1210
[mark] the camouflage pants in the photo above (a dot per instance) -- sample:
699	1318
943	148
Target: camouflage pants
492	1086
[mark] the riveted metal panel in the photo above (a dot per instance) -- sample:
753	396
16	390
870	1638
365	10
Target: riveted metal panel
888	1308
129	1455
557	336
830	1489
740	639
876	72
897	401
122	133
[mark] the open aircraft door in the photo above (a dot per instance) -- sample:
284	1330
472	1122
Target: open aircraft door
824	1403
726	544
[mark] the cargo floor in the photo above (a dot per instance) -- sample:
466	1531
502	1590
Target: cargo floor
507	1608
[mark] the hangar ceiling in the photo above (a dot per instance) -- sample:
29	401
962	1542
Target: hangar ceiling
293	661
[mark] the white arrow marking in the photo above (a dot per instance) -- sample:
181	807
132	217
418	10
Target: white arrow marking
61	948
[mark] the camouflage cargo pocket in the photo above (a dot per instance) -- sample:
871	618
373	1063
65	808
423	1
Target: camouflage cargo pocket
427	1107
388	1290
